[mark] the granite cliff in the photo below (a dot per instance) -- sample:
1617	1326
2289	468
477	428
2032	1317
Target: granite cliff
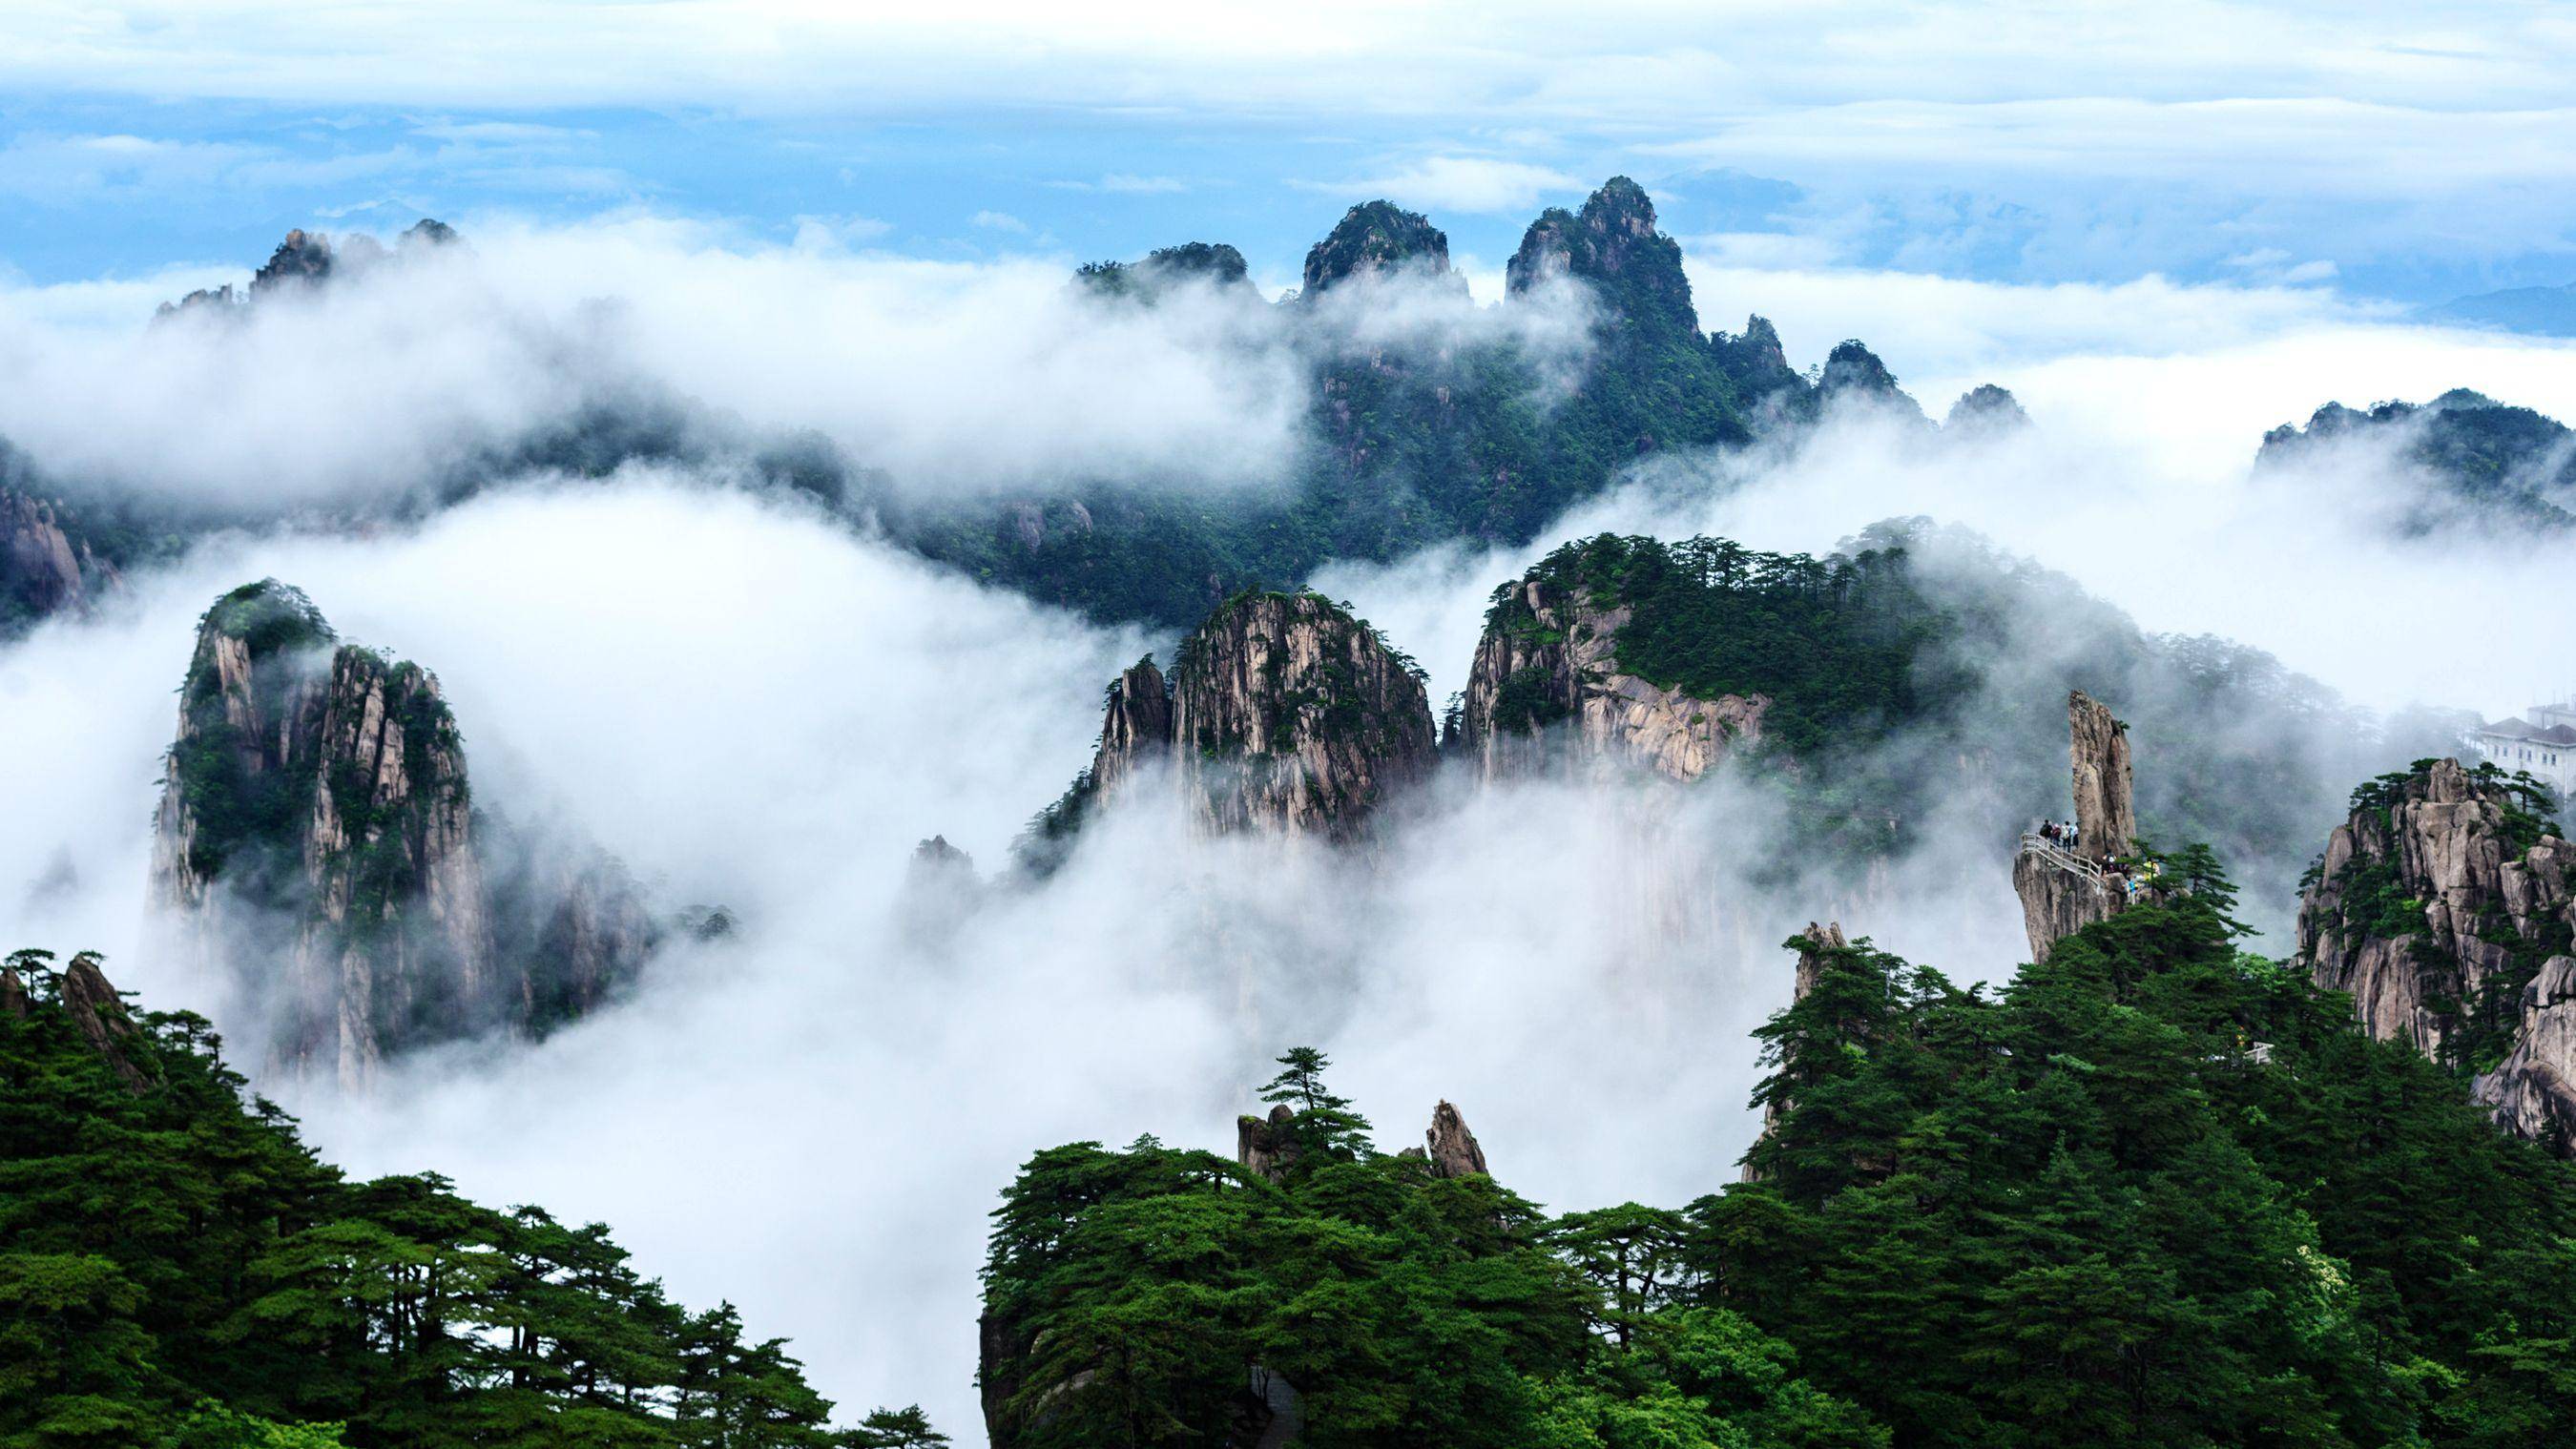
317	834
1546	692
2443	907
1282	712
2066	885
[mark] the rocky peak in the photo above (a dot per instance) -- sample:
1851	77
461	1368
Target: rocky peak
426	232
1282	712
2066	884
2098	743
1546	692
1851	369
1449	1147
317	828
303	258
1135	727
13	993
99	1014
1374	240
1755	359
1612	244
1816	945
2442	906
1287	713
1986	409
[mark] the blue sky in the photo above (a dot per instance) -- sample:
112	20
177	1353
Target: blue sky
2386	152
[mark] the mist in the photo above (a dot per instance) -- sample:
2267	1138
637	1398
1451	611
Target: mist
937	379
753	704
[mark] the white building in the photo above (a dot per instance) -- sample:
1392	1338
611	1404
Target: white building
2544	744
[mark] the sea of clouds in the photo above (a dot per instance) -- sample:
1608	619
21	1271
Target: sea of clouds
755	704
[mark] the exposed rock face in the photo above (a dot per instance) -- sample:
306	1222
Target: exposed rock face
1546	691
44	568
2445	912
1283	713
1289	713
2533	1092
316	820
2057	901
1613	245
2104	811
1135	727
1451	1148
13	994
99	1015
1267	1145
1821	942
2064	889
1375	240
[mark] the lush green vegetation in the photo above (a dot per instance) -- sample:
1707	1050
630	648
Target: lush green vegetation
2154	1192
1136	1290
1831	642
1917	658
178	1271
2488	461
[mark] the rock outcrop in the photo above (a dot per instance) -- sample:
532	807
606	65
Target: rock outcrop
1267	1146
1546	692
99	1014
1374	241
1449	1147
2106	816
317	825
45	566
2065	885
2445	909
2533	1091
1282	713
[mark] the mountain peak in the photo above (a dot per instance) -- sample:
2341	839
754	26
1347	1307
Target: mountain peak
1611	244
1373	239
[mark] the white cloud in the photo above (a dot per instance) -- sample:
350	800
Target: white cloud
999	221
1459	183
1122	183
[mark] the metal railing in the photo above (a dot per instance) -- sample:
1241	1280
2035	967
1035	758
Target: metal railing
2059	856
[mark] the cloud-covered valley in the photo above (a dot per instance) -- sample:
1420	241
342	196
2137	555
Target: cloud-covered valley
760	704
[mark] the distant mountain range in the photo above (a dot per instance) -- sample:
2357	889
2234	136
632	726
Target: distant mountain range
2539	311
